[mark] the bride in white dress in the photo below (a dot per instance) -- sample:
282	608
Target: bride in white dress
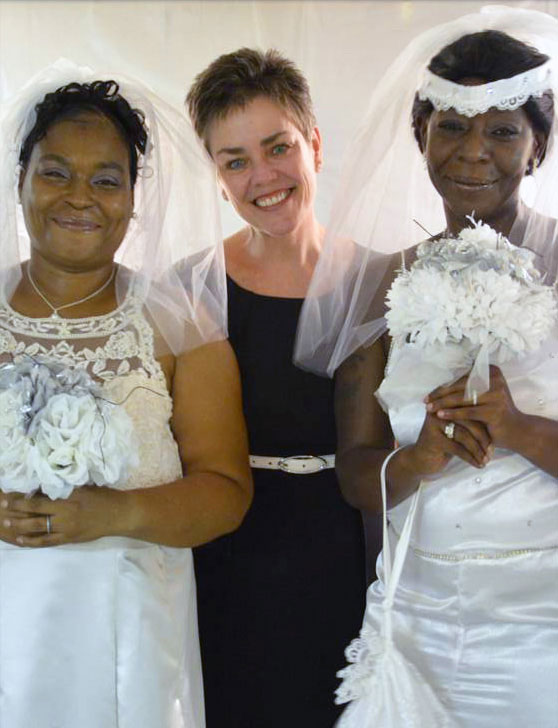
461	627
98	625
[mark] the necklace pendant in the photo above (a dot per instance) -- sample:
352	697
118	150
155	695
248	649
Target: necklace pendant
55	315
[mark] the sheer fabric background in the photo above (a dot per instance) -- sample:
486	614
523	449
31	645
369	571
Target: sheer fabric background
342	46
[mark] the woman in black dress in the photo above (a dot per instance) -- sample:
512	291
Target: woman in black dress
277	600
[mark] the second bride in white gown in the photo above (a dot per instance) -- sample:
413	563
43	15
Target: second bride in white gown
461	627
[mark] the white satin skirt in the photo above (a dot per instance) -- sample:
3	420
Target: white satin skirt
483	630
99	635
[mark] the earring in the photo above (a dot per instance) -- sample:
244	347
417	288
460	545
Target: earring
533	166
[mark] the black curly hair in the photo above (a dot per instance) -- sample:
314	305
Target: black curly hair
489	55
69	101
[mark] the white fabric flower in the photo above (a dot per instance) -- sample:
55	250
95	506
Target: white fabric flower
470	306
58	433
481	235
16	472
476	295
61	432
11	403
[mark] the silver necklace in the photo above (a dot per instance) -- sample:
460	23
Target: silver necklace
55	309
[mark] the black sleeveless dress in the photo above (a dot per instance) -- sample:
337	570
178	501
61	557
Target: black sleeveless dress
280	599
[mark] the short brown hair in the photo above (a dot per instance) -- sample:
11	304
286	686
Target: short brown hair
235	79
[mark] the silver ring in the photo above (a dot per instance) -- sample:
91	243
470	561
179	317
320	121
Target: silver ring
449	430
48	528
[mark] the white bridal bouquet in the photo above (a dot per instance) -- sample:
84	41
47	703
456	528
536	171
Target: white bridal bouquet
467	302
57	432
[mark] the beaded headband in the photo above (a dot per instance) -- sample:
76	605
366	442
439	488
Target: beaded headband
505	94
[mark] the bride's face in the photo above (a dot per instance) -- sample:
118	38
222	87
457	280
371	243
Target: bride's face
76	192
477	163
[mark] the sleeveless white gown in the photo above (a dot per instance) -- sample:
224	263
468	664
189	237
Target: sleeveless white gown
101	634
476	607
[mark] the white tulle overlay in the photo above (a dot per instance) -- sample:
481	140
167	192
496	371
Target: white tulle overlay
102	634
474	614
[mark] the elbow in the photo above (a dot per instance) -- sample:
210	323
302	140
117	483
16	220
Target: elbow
357	487
243	495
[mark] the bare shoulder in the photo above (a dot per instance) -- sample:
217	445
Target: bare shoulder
361	372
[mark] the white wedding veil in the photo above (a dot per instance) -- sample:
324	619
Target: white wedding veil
176	218
384	187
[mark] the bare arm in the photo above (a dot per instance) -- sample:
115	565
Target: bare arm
364	436
208	424
210	500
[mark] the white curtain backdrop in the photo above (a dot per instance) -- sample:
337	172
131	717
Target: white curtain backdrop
342	47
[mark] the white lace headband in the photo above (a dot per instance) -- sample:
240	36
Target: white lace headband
505	94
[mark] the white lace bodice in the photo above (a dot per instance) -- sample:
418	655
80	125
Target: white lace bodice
116	349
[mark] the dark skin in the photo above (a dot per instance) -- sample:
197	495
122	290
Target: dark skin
476	164
77	200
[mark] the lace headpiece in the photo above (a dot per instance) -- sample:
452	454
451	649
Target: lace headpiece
505	94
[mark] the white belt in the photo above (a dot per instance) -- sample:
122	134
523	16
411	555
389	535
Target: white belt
295	464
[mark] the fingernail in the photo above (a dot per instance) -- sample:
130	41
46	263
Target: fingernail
6	523
441	413
4	503
19	539
429	406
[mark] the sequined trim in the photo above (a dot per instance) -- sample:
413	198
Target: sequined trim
475	556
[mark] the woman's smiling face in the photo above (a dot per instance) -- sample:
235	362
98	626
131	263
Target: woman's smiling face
266	167
76	192
477	163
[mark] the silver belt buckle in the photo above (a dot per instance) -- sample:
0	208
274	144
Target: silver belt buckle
302	464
